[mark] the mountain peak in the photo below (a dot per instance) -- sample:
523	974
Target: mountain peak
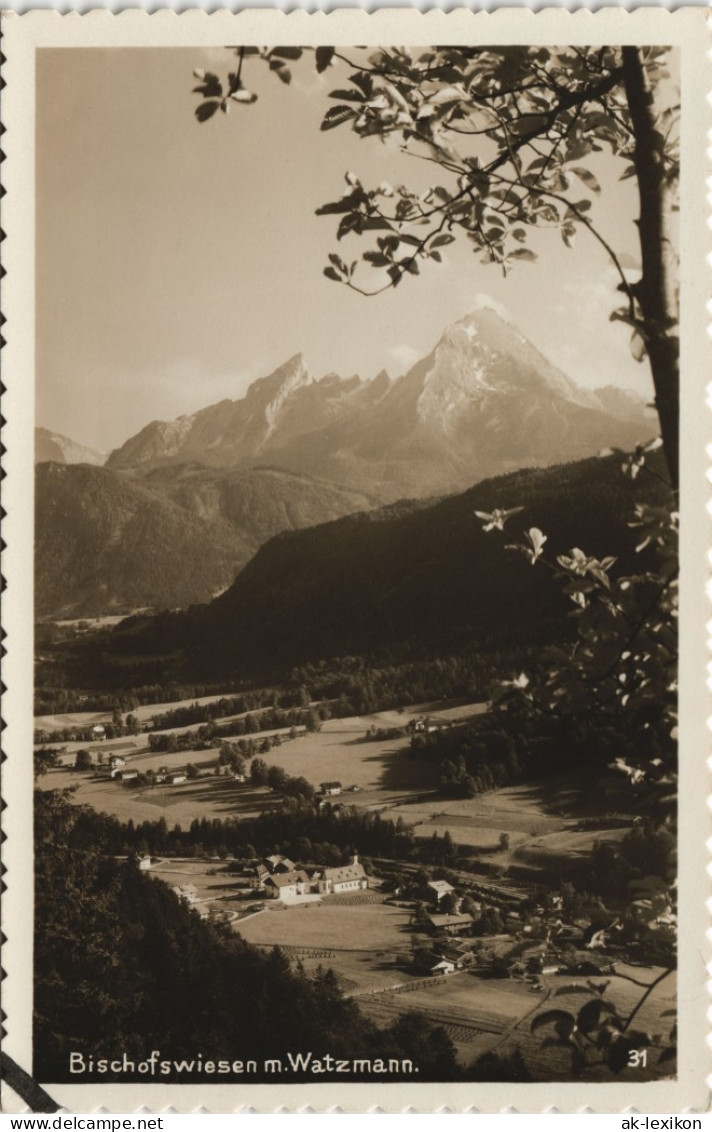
267	396
293	374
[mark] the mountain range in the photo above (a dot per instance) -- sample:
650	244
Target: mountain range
482	402
183	505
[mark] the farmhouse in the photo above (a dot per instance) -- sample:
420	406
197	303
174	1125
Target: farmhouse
279	864
327	788
125	775
437	889
287	886
451	925
98	732
176	779
116	761
432	964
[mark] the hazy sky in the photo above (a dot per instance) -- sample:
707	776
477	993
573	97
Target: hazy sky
177	262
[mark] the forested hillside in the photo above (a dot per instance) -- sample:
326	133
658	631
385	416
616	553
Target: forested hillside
407	579
108	541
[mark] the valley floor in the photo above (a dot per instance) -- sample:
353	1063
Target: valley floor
381	775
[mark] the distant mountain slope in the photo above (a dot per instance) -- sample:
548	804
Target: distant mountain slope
407	577
53	446
482	402
257	502
107	541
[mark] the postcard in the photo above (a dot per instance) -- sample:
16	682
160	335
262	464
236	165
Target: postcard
356	551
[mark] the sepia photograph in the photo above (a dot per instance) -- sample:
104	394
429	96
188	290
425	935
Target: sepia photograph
357	494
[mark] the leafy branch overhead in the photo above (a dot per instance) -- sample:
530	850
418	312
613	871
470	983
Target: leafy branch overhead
508	132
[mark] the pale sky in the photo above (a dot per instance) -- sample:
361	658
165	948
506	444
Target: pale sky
178	262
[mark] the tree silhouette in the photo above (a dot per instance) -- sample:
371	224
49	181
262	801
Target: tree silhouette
507	129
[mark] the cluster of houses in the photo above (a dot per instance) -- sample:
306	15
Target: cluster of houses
280	879
120	773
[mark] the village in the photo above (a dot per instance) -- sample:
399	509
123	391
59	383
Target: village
477	959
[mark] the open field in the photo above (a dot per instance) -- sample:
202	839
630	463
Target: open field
203	797
383	771
144	714
474	1012
529	814
361	943
541	820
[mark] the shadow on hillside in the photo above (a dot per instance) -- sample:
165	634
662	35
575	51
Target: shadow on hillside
224	795
402	772
571	796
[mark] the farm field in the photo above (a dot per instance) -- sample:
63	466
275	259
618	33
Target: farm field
326	933
478	1013
210	797
144	714
528	814
474	1012
383	772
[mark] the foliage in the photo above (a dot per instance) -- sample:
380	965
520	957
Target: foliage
83	761
596	1033
44	760
619	673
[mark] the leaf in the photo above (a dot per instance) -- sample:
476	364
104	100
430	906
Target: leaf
206	110
211	88
550	1017
286	52
440	240
331	274
589	1015
572	988
528	124
347	95
324	55
245	96
334	117
522	253
587	177
346	204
